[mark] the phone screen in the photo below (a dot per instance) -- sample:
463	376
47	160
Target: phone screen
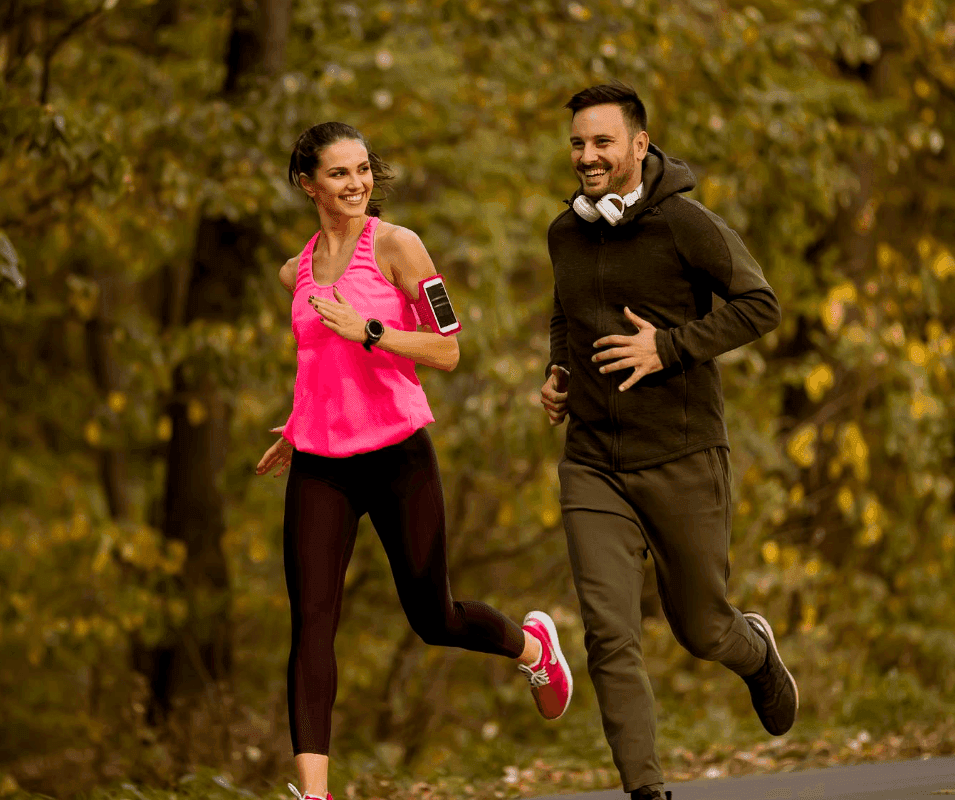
441	305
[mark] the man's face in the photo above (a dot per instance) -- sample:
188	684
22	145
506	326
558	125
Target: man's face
603	154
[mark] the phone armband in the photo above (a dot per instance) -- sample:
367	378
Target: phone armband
434	306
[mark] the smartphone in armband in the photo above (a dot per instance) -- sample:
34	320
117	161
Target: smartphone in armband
434	306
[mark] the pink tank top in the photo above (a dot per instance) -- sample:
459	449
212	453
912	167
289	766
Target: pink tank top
348	400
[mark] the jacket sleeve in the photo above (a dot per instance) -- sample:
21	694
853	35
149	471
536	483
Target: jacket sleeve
718	255
558	337
558	322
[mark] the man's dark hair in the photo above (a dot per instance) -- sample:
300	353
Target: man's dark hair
618	93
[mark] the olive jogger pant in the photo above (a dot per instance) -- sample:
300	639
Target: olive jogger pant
679	512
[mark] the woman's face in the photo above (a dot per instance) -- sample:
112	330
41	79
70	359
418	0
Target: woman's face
343	182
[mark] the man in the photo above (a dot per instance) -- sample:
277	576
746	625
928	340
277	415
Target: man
646	469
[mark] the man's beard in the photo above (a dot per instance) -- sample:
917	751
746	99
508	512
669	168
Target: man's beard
616	183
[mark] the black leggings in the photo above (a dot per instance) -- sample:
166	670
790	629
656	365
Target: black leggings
400	488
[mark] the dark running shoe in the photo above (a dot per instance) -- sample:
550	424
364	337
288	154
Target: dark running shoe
772	687
648	793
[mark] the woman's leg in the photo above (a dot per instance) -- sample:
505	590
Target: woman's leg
320	525
407	510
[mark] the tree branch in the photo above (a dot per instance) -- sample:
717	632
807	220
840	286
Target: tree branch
57	43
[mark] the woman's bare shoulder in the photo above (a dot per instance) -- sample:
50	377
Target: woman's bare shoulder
288	273
395	242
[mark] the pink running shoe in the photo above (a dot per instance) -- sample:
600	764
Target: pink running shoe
308	796
551	682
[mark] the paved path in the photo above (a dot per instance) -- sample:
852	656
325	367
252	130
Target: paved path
904	780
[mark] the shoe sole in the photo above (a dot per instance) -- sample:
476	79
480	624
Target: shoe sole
768	630
545	620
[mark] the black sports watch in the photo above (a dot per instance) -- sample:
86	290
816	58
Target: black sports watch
374	330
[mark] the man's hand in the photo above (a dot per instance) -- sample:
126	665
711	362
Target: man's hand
552	398
638	352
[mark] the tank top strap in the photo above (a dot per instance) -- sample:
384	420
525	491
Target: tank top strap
305	261
366	244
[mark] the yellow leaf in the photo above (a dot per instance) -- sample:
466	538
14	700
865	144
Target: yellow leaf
178	610
93	433
856	334
796	494
101	561
175	556
258	551
872	511
944	264
885	255
923	405
550	515
770	552
505	514
196	412
917	353
79	527
853	449
808	619
818	381
802	445
789	557
813	567
59	533
845	499
164	428
870	536
116	402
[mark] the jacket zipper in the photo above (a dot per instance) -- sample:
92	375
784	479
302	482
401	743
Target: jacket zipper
611	399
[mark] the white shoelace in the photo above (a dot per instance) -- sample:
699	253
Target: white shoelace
299	794
535	678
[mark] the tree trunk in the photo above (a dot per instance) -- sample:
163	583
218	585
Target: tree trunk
197	656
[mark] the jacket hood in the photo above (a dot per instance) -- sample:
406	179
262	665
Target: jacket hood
662	176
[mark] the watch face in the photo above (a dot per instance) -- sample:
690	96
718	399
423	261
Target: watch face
375	328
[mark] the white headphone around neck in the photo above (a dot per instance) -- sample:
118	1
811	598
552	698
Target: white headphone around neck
606	206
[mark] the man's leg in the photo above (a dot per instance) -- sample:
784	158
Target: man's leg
684	506
607	556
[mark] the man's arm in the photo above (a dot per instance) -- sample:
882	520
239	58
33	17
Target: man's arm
558	337
707	244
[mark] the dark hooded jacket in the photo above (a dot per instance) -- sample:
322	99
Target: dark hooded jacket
665	260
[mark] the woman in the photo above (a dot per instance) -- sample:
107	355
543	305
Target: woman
356	442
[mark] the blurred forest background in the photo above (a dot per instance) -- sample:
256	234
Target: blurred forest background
145	351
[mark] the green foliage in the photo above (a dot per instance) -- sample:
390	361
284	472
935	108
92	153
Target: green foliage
819	132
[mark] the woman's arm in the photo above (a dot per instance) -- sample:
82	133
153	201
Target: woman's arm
403	255
405	262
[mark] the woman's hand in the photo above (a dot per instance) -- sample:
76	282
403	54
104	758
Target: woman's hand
340	316
278	455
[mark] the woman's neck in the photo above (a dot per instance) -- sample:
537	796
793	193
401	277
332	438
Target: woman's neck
340	231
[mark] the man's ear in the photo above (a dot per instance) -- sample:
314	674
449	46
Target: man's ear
641	143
